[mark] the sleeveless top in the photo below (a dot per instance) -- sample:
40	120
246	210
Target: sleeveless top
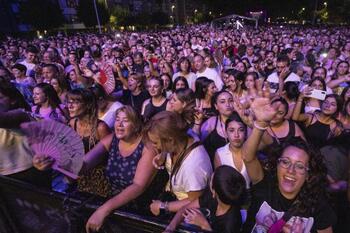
86	140
213	141
209	112
318	133
225	157
120	171
152	110
280	140
94	181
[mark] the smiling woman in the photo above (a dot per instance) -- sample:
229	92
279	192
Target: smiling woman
294	183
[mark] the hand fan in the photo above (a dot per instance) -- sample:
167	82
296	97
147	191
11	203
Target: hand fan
60	142
107	78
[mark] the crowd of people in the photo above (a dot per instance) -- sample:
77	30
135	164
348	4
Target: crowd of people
227	130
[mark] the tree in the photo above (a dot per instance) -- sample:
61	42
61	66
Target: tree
159	18
118	16
41	14
86	13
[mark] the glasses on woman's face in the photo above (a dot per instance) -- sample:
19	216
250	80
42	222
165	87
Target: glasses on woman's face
299	167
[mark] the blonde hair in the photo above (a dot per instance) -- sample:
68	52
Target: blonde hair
133	116
171	129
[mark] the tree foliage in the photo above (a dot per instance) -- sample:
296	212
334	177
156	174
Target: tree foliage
41	14
119	16
86	13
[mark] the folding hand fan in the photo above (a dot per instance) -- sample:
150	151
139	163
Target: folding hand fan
60	142
107	78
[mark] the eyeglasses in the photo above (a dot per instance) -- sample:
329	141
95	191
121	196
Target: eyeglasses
299	167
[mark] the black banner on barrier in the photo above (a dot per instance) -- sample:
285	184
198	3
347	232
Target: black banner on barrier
28	209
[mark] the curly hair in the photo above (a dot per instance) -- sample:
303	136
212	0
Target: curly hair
315	185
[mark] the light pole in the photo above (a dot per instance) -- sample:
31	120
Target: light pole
97	17
172	13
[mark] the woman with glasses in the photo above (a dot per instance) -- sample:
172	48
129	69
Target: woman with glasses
157	102
294	183
83	111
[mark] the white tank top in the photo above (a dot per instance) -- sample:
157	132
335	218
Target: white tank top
225	158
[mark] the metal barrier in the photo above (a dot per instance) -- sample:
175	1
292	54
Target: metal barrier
25	208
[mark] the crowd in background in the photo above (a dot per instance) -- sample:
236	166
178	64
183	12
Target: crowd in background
218	121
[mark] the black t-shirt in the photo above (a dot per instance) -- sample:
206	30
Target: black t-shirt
134	101
230	222
266	190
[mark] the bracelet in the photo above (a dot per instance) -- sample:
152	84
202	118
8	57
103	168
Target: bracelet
259	127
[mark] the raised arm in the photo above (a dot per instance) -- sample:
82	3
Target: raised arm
297	115
336	82
121	77
207	127
263	112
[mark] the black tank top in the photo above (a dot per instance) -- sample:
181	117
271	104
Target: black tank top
152	110
86	140
291	133
318	133
214	141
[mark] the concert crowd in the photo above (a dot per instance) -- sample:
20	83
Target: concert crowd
223	129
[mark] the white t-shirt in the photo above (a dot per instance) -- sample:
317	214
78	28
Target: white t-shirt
109	116
225	157
213	75
30	67
193	174
190	77
274	80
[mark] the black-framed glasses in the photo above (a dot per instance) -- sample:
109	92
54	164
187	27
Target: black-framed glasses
299	167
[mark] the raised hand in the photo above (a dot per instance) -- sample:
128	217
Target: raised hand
262	109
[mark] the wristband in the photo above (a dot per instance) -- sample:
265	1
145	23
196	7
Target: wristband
259	127
163	208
